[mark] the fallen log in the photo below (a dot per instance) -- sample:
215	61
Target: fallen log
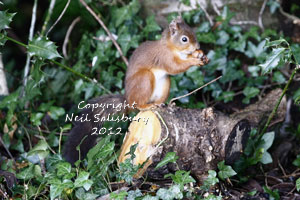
201	138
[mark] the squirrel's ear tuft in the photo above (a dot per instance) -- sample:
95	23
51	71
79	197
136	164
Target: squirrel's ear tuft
179	19
173	26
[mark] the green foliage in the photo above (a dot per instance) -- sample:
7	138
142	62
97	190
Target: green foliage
41	149
211	180
298	184
256	151
296	162
181	178
274	195
83	181
250	92
170	157
225	171
273	6
5	19
43	48
118	196
127	169
172	192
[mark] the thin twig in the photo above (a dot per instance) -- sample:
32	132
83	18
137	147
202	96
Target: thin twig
50	10
1	192
59	141
206	14
66	40
106	30
296	20
214	5
293	174
46	131
243	23
7	150
60	16
28	58
281	168
262	9
176	98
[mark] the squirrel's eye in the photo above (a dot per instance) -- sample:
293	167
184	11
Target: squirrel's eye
184	39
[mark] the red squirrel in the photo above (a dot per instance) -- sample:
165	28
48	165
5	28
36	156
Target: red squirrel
147	81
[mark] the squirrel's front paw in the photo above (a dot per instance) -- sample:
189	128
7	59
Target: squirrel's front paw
204	59
199	55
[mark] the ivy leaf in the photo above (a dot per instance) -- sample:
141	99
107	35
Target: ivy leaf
42	47
133	194
272	60
173	192
210	181
132	150
223	37
273	194
169	157
126	41
41	149
98	149
81	194
298	184
27	173
149	197
227	96
63	168
266	158
181	178
278	77
83	181
273	6
268	139
57	187
226	14
226	171
125	13
35	118
56	112
127	170
255	51
118	196
250	92
151	25
5	19
296	162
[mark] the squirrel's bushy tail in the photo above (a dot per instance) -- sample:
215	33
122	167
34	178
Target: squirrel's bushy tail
81	132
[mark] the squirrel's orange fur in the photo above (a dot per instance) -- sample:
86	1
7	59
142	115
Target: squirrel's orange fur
147	78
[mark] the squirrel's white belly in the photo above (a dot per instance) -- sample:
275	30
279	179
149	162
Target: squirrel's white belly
161	79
